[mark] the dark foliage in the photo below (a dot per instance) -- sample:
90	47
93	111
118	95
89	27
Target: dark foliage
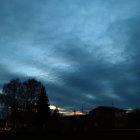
26	93
12	92
43	106
27	102
31	89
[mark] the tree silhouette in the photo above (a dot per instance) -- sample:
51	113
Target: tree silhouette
11	92
15	113
31	89
26	93
11	98
21	98
43	107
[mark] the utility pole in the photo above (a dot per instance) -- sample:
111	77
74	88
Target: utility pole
74	112
82	109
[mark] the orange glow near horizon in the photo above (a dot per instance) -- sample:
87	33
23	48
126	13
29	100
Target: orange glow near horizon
66	113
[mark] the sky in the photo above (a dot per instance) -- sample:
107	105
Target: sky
85	52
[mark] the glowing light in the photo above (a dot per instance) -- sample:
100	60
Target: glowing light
65	112
54	107
77	113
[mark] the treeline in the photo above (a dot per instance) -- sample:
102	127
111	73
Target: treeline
25	104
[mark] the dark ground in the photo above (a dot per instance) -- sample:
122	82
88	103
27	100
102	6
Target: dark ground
94	135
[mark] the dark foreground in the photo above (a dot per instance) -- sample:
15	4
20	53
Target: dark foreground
94	135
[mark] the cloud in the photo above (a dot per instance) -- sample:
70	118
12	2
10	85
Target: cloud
84	52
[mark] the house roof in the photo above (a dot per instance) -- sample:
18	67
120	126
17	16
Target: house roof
107	108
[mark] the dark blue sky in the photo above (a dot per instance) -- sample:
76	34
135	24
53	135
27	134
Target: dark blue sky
84	51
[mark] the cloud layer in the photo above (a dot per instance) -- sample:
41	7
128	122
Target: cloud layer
85	52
